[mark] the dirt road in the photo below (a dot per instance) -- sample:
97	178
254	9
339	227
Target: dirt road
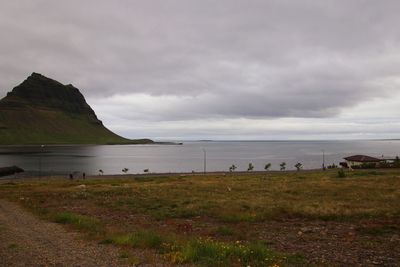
28	241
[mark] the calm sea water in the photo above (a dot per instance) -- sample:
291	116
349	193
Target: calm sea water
189	156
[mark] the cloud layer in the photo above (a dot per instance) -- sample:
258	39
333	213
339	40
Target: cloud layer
183	64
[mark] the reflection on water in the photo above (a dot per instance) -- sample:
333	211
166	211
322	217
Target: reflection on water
189	156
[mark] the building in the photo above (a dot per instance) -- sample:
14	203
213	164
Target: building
361	160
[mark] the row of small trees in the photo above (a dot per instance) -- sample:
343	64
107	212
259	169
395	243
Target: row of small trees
267	166
232	168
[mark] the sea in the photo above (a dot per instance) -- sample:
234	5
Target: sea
190	156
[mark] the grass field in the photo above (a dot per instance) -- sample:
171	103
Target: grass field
260	219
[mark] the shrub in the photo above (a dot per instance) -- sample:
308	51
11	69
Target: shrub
298	166
341	173
283	166
267	166
251	167
232	168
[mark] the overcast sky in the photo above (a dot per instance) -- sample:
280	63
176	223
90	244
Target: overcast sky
216	69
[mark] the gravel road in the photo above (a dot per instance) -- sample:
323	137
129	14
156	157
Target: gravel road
28	241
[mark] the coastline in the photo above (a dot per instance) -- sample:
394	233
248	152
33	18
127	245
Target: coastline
33	175
73	145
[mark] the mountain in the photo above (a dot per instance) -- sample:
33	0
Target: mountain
43	111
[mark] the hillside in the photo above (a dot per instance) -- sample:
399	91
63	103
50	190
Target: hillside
43	111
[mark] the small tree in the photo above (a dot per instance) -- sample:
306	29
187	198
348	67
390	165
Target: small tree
251	167
283	166
125	170
232	168
298	166
267	166
101	172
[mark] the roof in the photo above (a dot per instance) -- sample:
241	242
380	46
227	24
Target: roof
362	158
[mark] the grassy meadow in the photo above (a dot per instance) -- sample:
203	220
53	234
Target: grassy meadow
256	219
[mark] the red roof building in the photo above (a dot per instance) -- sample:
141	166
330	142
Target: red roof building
360	160
363	159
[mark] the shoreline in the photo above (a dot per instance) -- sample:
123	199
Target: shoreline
73	145
34	175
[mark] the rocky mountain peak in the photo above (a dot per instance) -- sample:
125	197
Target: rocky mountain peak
41	92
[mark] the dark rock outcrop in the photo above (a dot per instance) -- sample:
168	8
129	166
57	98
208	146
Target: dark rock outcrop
4	171
41	92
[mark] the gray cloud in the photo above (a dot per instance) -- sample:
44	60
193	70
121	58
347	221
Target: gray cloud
200	59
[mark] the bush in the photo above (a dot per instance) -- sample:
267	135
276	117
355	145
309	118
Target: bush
251	167
298	166
341	173
232	168
283	166
267	166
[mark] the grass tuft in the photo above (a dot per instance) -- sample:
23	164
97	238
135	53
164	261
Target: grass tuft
12	246
237	218
141	239
204	252
214	253
224	231
80	221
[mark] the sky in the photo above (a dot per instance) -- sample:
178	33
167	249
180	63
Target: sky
216	69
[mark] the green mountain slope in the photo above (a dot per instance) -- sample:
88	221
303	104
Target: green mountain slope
43	111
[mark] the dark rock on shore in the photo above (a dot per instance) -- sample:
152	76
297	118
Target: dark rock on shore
10	170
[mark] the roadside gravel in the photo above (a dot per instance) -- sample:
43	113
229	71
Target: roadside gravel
28	241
